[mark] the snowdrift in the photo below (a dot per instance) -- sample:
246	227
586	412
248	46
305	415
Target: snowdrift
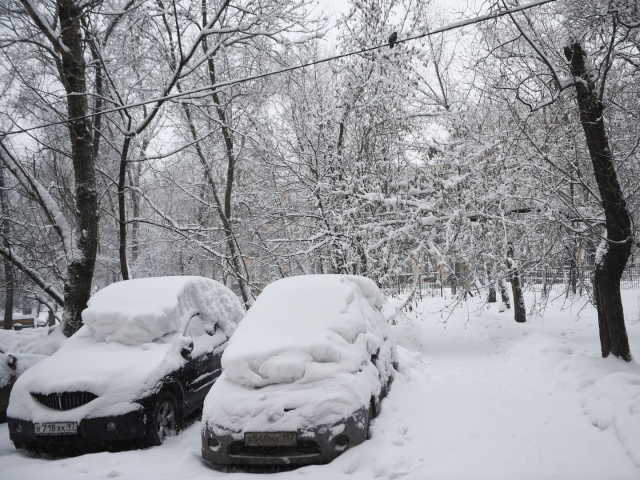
614	402
609	387
139	311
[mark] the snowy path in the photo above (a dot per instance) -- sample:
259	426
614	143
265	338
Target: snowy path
479	399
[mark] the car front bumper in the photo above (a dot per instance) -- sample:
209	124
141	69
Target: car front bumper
91	432
318	445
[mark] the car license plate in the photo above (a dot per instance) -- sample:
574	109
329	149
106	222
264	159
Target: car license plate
58	428
267	439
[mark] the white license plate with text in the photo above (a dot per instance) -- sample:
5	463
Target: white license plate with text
57	428
270	439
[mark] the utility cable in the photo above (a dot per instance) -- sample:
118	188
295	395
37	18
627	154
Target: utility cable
446	28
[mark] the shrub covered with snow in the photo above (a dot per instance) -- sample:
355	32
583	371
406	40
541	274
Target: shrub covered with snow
142	310
307	343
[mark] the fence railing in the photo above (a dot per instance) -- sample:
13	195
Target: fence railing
548	279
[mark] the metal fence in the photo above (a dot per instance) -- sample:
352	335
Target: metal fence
549	279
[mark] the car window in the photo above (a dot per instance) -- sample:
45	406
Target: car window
195	328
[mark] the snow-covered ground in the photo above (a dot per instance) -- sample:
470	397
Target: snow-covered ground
478	397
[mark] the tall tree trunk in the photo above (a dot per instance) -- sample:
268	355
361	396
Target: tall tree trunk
77	288
492	284
8	266
491	298
135	200
454	279
122	208
573	274
614	252
519	310
238	265
504	295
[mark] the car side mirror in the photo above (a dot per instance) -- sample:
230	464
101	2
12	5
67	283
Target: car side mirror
12	362
186	351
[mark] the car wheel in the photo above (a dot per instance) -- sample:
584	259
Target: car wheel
165	419
31	447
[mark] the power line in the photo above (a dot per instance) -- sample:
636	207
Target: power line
446	28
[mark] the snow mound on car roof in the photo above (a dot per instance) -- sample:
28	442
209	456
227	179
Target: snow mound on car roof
307	328
138	311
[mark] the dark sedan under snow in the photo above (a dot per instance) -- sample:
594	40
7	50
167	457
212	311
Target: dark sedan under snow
144	360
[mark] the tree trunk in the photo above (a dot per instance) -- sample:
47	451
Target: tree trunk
573	275
8	266
454	279
135	199
225	213
122	208
77	288
519	310
613	254
492	293
504	295
492	285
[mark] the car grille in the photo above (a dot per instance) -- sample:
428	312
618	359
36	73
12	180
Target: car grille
65	400
304	448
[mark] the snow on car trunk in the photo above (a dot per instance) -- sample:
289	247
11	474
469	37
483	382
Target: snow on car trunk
307	344
142	310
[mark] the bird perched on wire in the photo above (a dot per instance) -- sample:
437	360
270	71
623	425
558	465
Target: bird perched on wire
392	39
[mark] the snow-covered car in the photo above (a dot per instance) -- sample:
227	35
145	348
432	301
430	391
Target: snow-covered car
302	376
144	360
12	365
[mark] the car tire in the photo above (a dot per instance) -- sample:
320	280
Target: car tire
31	447
164	419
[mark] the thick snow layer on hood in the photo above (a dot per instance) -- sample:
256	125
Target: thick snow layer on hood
307	345
139	311
117	373
232	408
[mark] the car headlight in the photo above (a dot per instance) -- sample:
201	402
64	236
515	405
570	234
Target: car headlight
342	441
